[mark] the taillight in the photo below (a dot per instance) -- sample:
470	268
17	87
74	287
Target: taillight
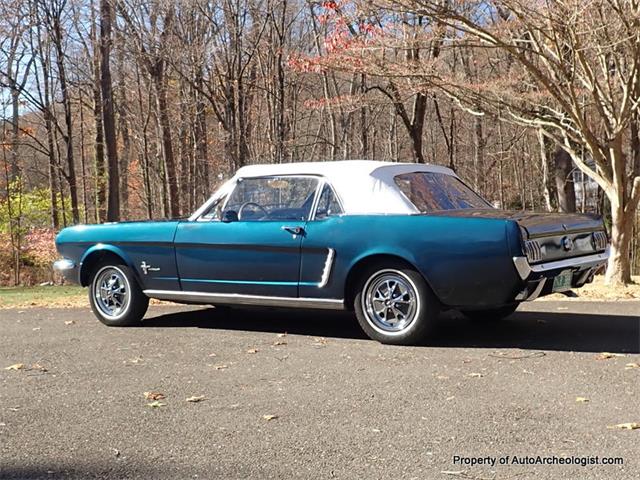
533	251
599	240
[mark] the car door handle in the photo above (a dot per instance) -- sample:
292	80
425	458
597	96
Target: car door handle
297	230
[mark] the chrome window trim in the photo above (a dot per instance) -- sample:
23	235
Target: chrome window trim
232	186
223	190
240	299
325	181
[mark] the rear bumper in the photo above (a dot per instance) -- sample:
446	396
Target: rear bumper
538	278
67	268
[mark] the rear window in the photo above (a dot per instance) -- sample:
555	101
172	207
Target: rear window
432	191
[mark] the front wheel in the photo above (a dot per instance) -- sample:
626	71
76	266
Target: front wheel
395	305
115	296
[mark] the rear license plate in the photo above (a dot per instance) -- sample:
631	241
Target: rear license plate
562	282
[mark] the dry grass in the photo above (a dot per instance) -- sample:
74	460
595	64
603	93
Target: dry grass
599	291
49	296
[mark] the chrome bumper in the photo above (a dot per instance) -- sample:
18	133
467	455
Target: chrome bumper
66	268
525	270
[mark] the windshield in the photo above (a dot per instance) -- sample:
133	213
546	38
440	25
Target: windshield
432	191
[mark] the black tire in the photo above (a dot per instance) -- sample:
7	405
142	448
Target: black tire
419	319
491	314
133	302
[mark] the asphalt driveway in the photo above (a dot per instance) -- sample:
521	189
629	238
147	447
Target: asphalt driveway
304	395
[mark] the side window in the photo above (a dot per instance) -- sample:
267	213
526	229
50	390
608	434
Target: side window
328	204
272	198
215	211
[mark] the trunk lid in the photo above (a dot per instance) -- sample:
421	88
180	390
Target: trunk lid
536	224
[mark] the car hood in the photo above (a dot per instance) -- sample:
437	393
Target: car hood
536	224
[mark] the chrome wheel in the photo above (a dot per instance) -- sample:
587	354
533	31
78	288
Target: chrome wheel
390	301
111	292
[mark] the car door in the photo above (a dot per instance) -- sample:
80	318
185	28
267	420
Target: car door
249	241
325	246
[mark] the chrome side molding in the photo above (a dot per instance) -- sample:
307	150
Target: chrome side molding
326	271
239	299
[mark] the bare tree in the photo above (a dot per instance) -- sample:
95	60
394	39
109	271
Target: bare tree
569	70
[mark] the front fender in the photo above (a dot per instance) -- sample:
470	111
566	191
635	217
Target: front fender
87	260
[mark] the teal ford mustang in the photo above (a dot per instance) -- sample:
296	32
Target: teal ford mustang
396	242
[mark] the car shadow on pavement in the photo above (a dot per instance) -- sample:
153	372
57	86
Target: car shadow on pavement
563	331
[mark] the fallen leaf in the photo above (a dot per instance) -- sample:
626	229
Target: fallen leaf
156	404
252	350
270	417
626	426
582	399
154	396
15	366
608	355
70	322
476	375
629	366
196	399
219	367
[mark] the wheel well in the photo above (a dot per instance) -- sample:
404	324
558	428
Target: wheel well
354	276
93	260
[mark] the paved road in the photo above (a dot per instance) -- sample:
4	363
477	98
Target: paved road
346	407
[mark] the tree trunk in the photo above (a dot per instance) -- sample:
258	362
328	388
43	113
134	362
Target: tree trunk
48	123
619	266
565	188
547	187
201	160
479	143
15	114
108	115
167	144
101	184
66	101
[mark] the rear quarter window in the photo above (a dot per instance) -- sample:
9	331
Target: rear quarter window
432	191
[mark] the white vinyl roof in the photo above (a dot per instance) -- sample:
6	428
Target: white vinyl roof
363	186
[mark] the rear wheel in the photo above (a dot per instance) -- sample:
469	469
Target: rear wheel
115	296
395	305
491	314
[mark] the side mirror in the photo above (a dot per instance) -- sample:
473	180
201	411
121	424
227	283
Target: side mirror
230	216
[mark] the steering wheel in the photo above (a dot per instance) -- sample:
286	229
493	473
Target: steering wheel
251	204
